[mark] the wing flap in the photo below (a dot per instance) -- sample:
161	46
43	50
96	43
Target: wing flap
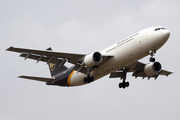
116	75
142	74
42	79
43	59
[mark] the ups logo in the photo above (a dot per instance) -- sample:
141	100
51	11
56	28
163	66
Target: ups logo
52	66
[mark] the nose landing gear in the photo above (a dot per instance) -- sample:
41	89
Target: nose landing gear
152	53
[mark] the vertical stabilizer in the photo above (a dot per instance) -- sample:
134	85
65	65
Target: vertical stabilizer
54	68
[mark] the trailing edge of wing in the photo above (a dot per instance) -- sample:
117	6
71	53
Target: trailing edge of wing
42	79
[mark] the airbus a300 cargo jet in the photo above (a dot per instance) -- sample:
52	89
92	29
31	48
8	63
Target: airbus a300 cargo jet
116	60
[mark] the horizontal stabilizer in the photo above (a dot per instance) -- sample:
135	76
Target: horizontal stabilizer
37	78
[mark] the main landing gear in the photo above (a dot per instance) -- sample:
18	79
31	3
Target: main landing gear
124	84
88	79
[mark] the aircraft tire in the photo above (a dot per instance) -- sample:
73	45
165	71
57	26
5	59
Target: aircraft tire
85	80
92	79
88	79
127	84
120	85
151	59
124	85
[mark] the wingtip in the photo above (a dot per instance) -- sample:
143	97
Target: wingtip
170	73
11	47
19	76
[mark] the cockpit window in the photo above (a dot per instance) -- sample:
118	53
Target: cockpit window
159	29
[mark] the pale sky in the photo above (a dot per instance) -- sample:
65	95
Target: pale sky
85	26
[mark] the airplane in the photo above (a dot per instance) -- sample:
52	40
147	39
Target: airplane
116	60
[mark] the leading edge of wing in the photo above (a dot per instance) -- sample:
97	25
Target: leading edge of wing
42	79
58	54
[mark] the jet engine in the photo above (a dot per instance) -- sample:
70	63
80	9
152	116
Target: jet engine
92	59
152	68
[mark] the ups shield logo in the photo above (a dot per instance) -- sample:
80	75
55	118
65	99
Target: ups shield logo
52	66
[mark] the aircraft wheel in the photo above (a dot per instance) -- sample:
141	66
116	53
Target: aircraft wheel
151	59
92	79
127	84
120	85
88	79
124	85
85	80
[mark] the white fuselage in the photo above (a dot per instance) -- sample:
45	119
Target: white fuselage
126	52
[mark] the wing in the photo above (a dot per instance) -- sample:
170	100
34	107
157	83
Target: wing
47	56
138	71
53	57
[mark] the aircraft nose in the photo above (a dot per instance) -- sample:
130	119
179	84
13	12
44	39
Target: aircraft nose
166	34
163	36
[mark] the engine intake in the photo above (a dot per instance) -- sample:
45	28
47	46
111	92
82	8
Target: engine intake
152	68
92	59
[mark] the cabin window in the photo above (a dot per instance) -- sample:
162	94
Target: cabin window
158	29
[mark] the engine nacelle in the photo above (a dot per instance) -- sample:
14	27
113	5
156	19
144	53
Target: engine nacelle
152	68
92	59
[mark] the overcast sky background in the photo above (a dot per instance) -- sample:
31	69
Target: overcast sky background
86	26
